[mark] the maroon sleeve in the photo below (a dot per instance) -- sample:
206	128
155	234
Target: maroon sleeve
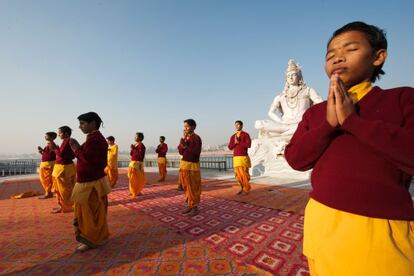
163	149
180	146
195	147
394	142
88	153
245	141
141	151
308	143
232	144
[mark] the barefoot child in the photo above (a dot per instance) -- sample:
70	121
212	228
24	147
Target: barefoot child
111	169
46	166
189	174
162	161
91	189
64	172
136	173
240	143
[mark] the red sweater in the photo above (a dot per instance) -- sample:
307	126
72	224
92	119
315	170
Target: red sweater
48	154
191	151
138	152
162	150
64	153
240	149
91	158
366	165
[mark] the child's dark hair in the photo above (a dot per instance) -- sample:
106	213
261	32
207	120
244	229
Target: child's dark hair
51	134
140	136
238	122
191	122
162	138
66	130
90	117
111	139
376	38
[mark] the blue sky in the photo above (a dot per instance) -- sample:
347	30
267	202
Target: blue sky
148	65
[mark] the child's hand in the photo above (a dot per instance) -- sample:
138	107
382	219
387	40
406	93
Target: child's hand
343	101
74	144
132	146
331	116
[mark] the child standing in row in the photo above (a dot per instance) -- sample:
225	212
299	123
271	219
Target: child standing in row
64	172
360	217
240	143
136	173
91	189
189	174
46	166
111	169
162	160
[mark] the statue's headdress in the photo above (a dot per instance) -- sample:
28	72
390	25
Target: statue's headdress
293	66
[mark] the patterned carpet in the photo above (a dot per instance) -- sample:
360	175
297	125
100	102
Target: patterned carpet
150	236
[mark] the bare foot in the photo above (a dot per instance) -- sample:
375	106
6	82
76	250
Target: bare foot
188	210
82	247
194	211
56	210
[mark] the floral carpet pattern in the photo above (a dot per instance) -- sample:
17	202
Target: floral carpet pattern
150	236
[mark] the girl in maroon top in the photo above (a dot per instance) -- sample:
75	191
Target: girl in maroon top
162	161
189	174
64	172
46	166
136	173
91	189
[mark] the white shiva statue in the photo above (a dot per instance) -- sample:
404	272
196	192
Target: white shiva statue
285	113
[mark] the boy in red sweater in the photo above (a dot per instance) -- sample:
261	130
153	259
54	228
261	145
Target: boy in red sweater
360	217
240	143
136	174
189	174
162	150
46	166
64	172
90	193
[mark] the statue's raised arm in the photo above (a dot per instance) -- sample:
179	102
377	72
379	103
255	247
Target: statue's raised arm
275	111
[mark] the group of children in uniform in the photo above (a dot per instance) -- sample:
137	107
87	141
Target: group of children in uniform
360	216
83	188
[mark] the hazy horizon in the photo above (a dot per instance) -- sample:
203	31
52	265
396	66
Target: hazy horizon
148	65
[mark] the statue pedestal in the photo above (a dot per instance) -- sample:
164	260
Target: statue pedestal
266	155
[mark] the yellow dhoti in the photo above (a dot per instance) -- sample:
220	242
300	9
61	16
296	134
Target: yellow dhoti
340	243
112	174
91	207
190	179
162	167
45	175
136	177
241	166
64	178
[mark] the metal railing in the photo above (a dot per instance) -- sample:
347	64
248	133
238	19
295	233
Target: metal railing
221	163
30	166
18	166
